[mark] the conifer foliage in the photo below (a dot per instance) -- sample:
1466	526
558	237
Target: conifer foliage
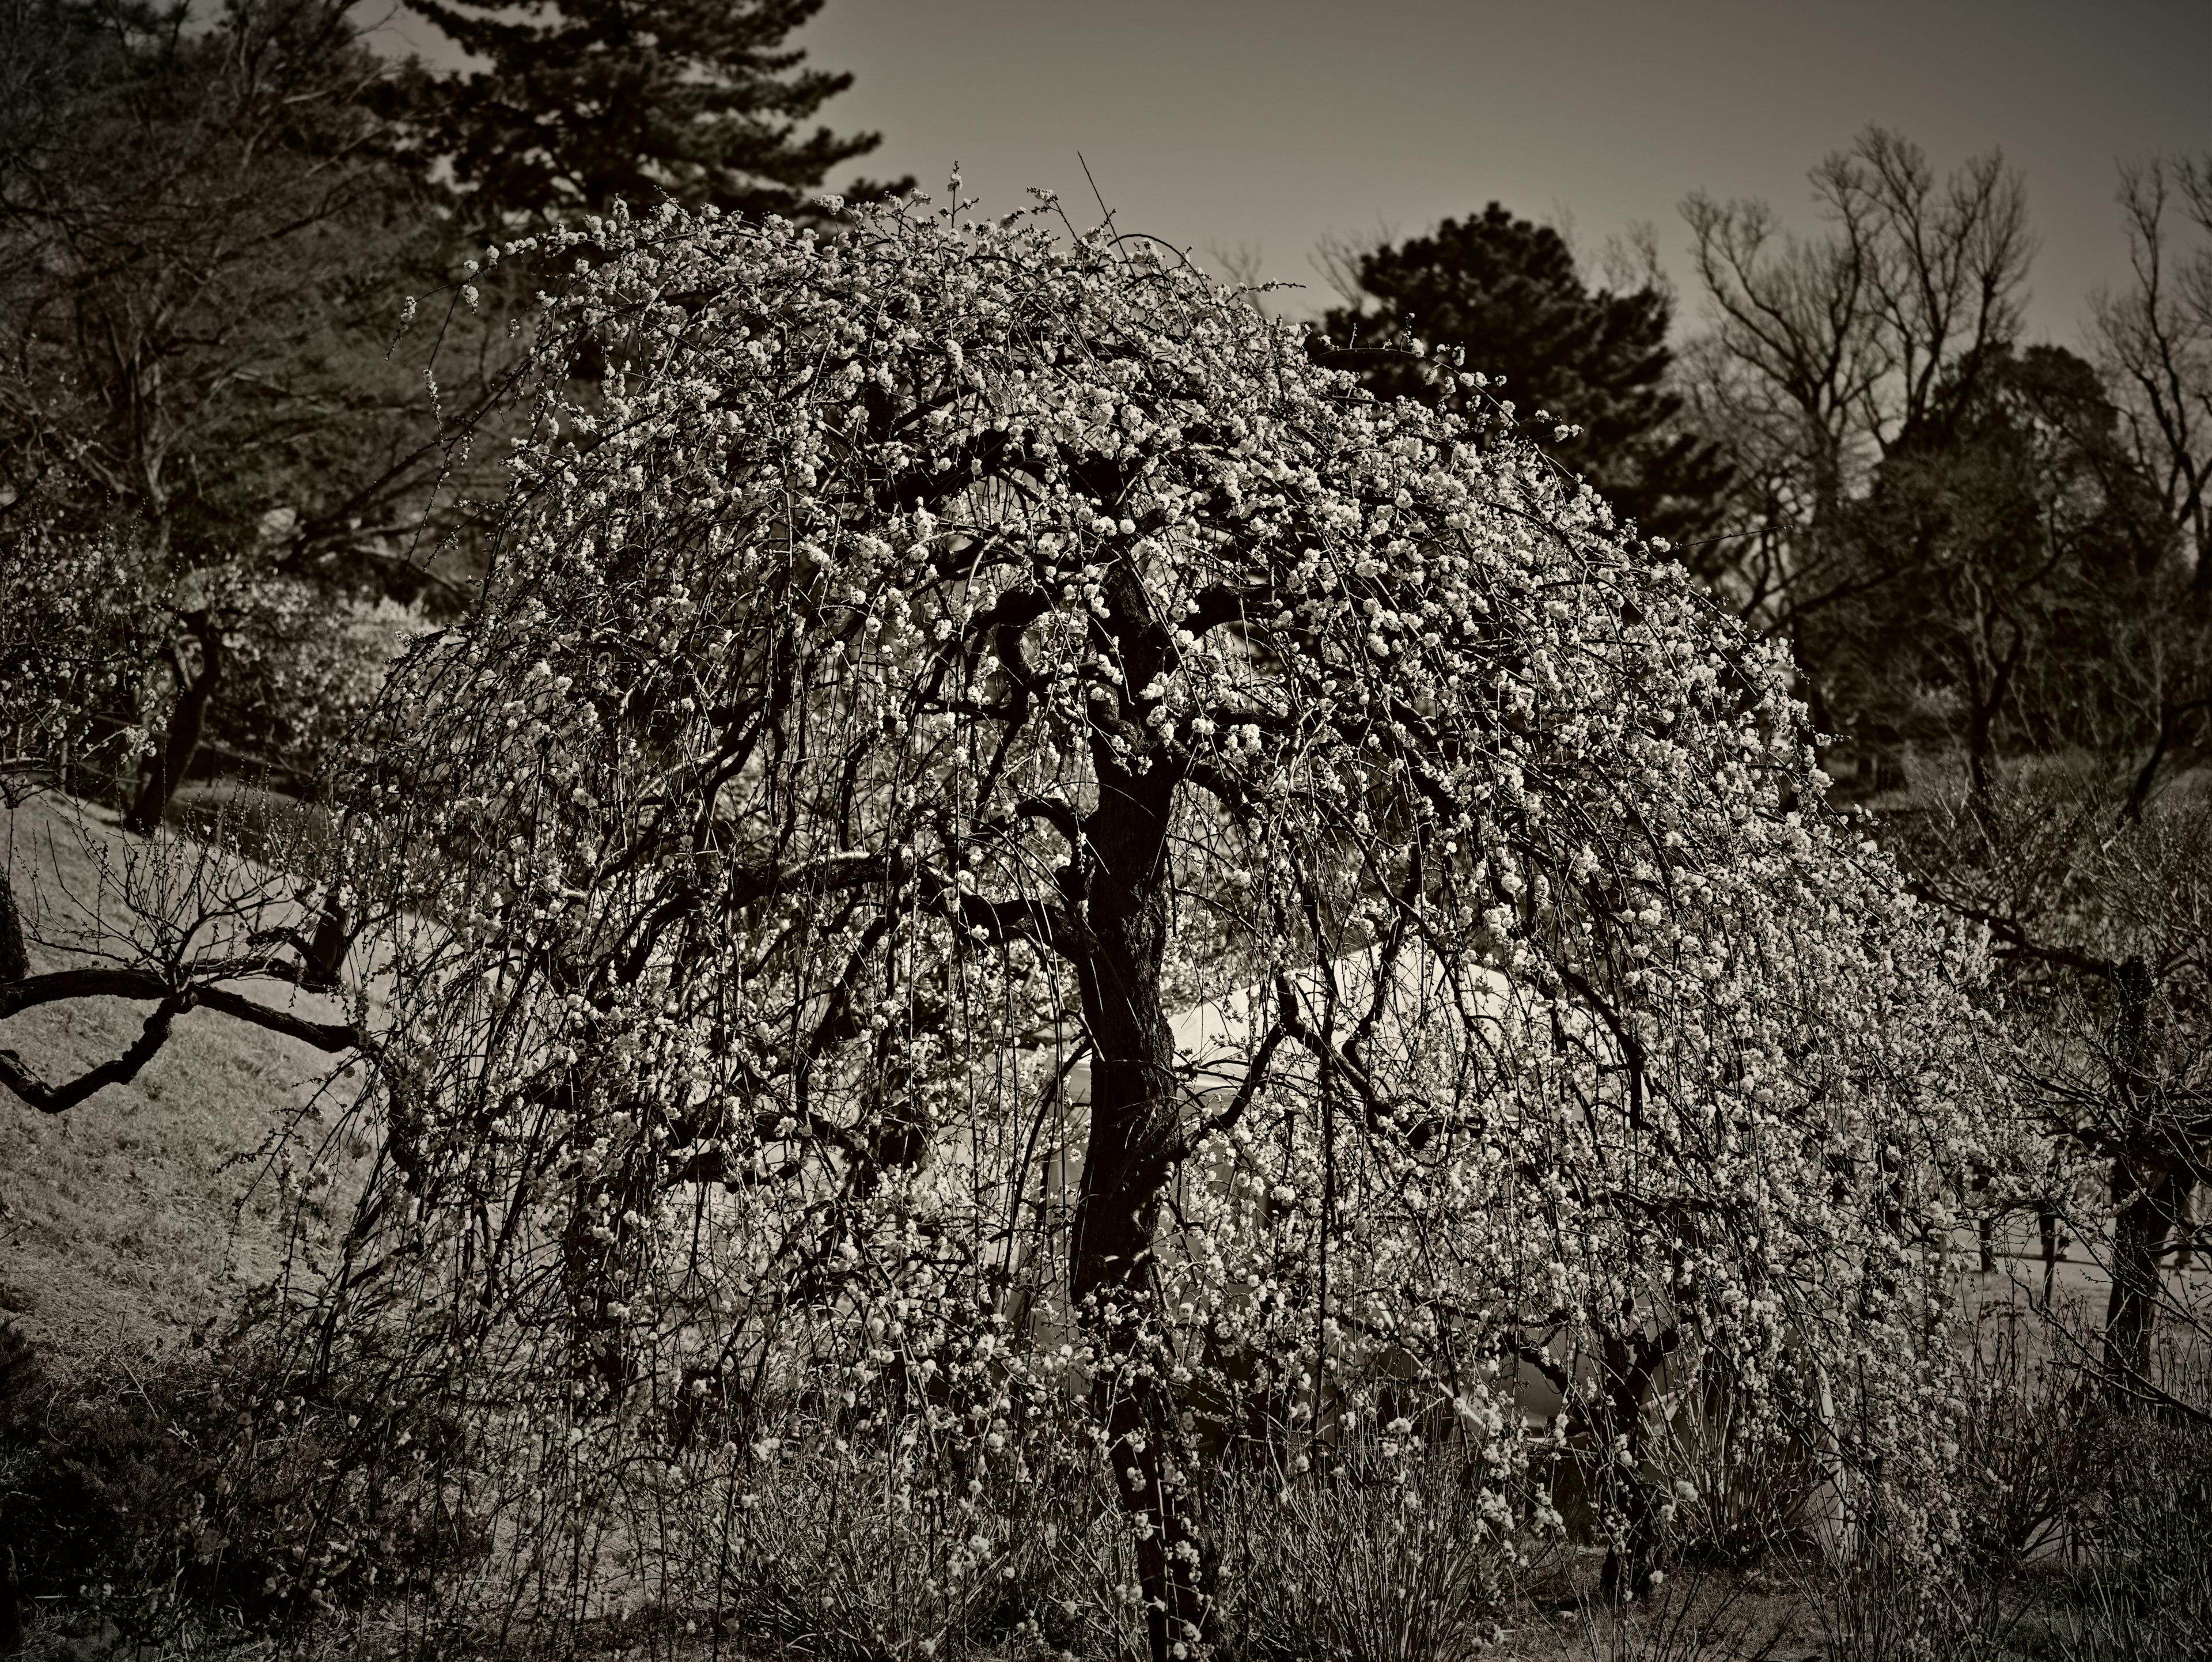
582	101
1509	294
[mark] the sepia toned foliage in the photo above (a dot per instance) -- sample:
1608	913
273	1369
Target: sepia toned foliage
573	105
1824	352
207	238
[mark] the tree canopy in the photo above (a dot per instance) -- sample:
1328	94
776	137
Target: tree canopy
206	237
934	657
1510	294
582	101
1825	350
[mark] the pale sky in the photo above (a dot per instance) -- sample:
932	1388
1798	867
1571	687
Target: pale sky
1233	124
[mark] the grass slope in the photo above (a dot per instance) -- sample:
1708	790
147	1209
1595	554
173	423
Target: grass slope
144	1212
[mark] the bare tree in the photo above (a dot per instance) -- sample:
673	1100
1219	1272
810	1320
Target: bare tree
2157	338
1825	351
179	925
2156	349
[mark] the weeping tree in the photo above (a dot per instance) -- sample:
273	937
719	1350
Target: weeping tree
1001	845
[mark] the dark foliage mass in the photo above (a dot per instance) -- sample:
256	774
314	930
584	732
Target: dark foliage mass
206	236
583	101
1510	294
1992	569
229	1482
198	221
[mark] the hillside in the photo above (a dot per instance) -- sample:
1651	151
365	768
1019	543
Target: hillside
145	1212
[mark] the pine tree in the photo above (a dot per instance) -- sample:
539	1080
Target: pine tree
586	100
1509	294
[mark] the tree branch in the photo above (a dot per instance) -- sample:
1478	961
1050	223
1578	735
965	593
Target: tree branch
18	1076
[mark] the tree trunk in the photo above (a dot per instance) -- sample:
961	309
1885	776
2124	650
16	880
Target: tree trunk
14	956
2142	1205
2142	1185
327	950
1985	1226
1134	1123
173	759
1632	1363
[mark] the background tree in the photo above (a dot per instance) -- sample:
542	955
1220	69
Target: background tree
2098	913
2155	341
205	238
78	626
1985	557
582	101
1991	581
1511	295
1826	352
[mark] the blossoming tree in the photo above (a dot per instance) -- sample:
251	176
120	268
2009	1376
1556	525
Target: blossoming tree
924	662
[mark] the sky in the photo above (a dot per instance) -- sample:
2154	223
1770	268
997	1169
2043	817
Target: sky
1223	126
1239	127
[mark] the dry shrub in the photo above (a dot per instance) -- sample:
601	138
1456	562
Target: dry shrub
2153	1617
1736	1481
829	1549
1882	1609
1687	1621
2145	1586
1381	1560
2038	1446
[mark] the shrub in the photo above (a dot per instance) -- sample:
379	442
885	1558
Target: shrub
220	1489
2039	1443
843	1551
1885	1608
1384	1559
1736	1481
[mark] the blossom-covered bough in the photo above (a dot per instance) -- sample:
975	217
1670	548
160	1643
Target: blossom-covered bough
919	663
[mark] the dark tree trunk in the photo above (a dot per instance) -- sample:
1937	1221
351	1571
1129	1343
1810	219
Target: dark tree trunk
1981	780
1985	1226
1127	1162
2142	1184
2142	1204
170	763
1630	1365
14	956
327	950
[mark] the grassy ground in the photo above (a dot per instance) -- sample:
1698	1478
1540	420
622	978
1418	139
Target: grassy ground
136	1216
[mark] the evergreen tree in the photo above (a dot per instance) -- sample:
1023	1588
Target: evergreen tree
1507	292
586	100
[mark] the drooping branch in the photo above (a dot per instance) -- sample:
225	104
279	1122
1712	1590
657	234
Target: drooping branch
1255	1074
331	1037
18	1075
